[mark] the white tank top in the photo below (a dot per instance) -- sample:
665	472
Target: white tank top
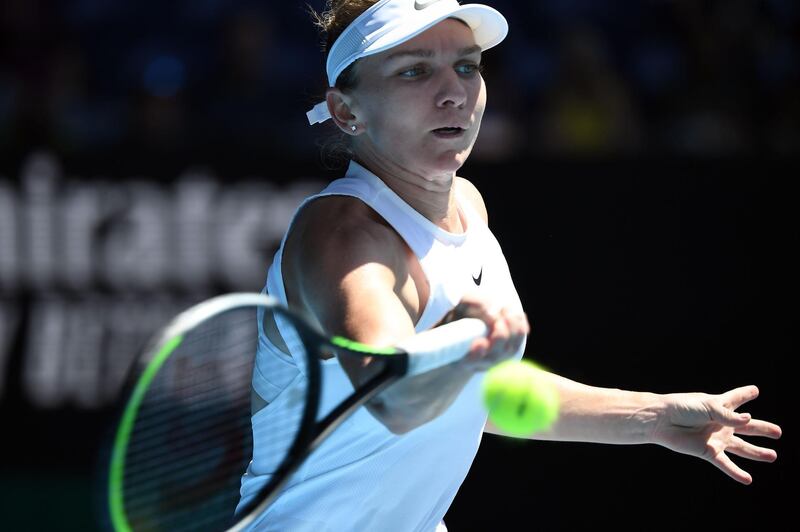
363	477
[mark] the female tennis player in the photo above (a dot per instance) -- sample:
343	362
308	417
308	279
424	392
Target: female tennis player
401	244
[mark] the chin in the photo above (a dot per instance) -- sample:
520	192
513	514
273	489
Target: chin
450	161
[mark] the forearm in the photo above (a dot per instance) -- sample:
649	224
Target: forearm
414	401
602	415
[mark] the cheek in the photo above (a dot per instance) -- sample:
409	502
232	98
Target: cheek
395	119
480	100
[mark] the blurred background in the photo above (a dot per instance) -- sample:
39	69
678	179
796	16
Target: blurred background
638	160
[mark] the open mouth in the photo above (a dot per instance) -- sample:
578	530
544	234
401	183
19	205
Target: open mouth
448	132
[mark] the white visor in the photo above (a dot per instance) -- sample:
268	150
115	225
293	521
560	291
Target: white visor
391	22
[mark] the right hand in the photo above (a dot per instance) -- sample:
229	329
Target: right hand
508	328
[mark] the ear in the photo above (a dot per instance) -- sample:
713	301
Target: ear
340	108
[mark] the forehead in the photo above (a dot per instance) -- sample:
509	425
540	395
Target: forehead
446	37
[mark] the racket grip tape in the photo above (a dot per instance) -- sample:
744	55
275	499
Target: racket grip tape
441	345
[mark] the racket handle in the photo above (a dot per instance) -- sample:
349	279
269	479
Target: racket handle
441	345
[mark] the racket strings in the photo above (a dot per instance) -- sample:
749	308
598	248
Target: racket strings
151	451
160	408
192	439
152	469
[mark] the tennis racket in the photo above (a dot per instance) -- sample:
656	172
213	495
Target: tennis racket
184	438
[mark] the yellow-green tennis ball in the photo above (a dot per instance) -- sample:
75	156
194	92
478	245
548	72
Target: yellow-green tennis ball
519	398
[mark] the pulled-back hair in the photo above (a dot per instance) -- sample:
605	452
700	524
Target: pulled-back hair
334	19
339	14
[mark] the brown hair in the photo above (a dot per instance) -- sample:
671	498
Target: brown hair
336	150
339	14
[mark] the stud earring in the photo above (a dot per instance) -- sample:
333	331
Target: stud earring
353	128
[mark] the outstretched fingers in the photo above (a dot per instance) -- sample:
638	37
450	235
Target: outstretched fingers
729	417
735	398
744	449
743	422
739	447
727	466
757	427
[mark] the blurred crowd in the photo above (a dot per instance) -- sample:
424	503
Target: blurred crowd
575	77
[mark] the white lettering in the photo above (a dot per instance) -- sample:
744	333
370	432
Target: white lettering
138	235
82	216
80	353
195	194
252	220
9	250
39	176
244	240
135	253
43	360
63	242
131	323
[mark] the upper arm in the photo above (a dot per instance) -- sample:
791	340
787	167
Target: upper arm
350	270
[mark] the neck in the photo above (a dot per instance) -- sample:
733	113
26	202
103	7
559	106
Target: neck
431	195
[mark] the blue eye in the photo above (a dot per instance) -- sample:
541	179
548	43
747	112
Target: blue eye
469	68
414	70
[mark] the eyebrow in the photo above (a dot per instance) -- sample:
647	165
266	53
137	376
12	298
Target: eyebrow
469	50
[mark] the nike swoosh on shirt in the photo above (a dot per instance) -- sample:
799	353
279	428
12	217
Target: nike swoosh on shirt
478	278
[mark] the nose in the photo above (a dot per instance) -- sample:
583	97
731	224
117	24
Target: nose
452	91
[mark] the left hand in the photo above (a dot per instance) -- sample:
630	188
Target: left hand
706	426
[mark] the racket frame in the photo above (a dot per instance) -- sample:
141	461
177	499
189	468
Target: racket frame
311	433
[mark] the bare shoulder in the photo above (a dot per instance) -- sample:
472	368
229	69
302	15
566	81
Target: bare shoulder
341	258
342	230
471	194
347	267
